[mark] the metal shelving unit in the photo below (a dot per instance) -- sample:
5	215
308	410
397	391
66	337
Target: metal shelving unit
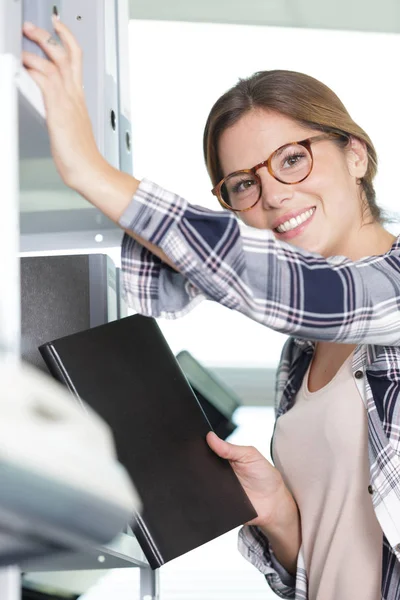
23	131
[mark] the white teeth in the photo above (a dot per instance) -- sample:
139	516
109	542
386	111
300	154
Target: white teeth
295	221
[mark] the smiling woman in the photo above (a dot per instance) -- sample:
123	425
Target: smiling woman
302	190
343	314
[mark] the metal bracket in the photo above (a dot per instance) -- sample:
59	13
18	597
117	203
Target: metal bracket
149	584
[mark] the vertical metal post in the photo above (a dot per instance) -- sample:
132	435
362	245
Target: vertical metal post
10	324
149	584
10	583
10	321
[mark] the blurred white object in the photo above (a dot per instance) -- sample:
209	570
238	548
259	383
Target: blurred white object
61	486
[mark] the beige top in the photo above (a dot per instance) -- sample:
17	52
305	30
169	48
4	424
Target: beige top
321	448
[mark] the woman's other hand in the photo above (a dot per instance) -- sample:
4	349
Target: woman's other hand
59	77
278	515
261	481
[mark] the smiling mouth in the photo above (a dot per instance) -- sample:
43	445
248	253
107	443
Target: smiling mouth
294	222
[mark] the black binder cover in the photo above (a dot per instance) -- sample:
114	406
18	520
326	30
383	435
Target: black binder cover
127	373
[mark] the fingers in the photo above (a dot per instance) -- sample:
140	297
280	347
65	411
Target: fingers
39	64
65	57
71	45
55	51
216	444
44	73
229	451
67	38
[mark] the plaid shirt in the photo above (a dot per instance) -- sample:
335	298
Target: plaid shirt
297	293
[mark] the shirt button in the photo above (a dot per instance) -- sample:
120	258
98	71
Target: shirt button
358	374
370	489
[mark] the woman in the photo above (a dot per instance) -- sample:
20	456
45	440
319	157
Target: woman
285	156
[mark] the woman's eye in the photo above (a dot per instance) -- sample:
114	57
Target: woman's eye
292	160
242	186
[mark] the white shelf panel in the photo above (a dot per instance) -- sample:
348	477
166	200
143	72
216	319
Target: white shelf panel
64	241
33	137
124	551
62	582
52	216
31	93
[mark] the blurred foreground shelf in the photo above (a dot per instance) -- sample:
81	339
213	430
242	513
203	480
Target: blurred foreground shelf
123	551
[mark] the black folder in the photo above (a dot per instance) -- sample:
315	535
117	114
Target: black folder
127	373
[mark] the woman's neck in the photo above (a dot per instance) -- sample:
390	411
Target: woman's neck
370	240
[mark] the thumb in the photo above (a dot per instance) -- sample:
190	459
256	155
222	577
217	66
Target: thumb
224	449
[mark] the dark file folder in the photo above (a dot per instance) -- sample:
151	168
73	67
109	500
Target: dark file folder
126	372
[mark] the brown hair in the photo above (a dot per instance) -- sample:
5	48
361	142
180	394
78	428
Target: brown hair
295	95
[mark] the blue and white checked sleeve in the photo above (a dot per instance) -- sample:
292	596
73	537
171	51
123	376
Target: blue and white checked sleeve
292	291
254	547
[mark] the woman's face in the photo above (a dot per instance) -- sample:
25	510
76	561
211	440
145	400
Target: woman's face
330	196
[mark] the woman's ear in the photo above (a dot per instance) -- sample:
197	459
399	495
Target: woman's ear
357	157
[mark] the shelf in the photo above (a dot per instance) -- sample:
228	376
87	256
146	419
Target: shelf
33	138
30	92
62	583
25	123
52	216
124	551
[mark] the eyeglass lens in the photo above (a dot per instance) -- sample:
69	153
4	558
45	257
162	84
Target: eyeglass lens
290	164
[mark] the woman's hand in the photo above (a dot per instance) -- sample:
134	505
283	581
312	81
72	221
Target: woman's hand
261	481
278	515
59	77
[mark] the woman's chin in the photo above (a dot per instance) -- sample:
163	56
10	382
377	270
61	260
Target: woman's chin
306	243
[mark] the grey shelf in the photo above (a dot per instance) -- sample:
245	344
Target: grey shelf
33	138
123	551
46	225
39	176
76	573
52	216
32	188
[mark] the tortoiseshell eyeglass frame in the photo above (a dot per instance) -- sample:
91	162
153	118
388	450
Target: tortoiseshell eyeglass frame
267	163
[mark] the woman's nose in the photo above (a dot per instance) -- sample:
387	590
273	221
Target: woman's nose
274	193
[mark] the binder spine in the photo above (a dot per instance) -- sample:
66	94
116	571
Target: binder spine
147	543
143	535
55	366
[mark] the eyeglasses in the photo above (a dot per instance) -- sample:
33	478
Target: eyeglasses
289	164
